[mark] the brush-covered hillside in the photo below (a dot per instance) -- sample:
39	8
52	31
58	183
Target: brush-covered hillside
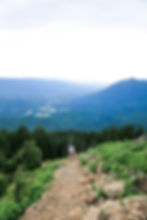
108	172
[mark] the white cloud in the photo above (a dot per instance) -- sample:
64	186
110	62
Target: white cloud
24	13
84	40
75	54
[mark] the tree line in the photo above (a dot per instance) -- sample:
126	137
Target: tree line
52	145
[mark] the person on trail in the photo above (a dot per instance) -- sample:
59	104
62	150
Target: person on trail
71	151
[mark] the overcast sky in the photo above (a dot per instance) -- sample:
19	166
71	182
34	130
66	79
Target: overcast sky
79	40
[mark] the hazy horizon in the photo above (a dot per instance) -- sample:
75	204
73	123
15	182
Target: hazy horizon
101	83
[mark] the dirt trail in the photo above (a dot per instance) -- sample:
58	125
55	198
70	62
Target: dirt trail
71	198
65	200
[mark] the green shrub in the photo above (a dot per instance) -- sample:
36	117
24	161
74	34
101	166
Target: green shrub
129	188
100	193
83	160
30	155
106	168
9	210
3	183
93	166
2	161
21	183
11	165
26	188
25	202
35	191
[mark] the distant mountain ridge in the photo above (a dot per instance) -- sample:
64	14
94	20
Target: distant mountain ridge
124	93
62	106
120	103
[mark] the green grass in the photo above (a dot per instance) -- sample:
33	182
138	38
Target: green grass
26	188
83	160
124	160
101	193
92	166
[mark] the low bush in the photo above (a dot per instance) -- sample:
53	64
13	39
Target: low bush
26	188
93	166
100	193
3	183
9	210
30	155
83	160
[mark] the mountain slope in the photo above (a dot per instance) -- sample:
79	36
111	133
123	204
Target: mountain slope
125	93
121	103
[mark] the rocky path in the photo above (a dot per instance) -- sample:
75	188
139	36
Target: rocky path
65	200
71	198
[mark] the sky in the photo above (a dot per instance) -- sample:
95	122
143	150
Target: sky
77	40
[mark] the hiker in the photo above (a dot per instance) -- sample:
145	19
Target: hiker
71	151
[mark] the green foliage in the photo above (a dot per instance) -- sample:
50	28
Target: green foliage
11	165
9	210
20	185
2	161
100	193
3	183
83	160
92	166
129	188
27	187
124	160
30	155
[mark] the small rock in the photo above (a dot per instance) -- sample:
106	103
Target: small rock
113	190
134	208
91	198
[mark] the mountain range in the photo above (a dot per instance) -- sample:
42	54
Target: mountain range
38	98
58	105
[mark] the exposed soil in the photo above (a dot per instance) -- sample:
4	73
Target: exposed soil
71	198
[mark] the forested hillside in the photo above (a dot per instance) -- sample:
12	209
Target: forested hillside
28	160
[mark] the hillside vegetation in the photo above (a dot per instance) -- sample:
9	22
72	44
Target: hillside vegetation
27	162
122	161
26	188
110	185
